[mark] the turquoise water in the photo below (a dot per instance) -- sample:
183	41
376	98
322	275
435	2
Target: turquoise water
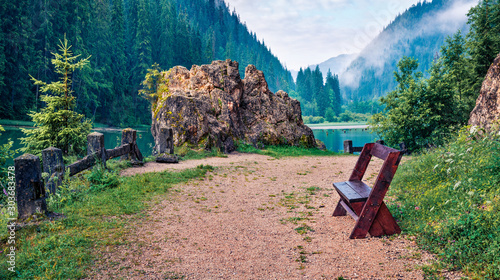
333	139
112	139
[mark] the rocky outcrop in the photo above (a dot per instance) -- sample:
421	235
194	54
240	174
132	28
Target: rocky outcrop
487	109
210	105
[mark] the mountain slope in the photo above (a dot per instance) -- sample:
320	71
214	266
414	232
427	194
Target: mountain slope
419	32
124	38
337	64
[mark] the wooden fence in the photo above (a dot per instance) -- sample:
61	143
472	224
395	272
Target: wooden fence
349	149
30	187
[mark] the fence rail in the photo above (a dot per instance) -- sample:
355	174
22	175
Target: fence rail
30	187
349	149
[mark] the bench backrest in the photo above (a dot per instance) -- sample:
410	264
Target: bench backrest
391	158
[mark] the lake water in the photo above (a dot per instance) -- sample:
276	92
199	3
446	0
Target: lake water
333	139
112	139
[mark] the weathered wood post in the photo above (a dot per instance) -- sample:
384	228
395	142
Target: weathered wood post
165	141
30	191
348	147
53	164
403	148
95	144
129	136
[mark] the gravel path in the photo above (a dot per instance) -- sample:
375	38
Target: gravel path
256	217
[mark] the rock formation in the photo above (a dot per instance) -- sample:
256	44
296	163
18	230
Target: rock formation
487	108
211	106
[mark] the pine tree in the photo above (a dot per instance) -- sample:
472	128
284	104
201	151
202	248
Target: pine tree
58	124
332	86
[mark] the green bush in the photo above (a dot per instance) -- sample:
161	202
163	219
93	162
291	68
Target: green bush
317	120
449	198
330	115
313	119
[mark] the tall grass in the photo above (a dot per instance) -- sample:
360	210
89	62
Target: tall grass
98	207
449	198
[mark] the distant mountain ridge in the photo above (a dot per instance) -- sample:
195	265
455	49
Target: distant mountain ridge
418	32
337	64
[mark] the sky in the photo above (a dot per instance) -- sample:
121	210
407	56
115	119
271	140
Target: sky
306	32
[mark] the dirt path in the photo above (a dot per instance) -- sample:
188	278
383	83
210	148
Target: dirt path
256	217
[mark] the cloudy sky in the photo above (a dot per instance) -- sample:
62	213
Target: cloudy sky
305	32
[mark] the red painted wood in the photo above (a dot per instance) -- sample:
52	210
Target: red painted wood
373	203
339	210
373	215
349	210
387	222
362	163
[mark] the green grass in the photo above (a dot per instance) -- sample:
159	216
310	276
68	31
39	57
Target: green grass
100	208
449	198
188	153
285	151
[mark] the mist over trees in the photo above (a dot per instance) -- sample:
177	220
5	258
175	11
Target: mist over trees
419	32
423	112
124	37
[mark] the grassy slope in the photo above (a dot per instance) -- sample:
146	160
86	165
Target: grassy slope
449	198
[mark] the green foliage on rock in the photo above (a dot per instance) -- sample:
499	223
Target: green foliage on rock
58	124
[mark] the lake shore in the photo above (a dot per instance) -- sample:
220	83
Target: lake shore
339	127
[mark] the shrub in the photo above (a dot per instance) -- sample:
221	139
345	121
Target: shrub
345	117
318	120
330	115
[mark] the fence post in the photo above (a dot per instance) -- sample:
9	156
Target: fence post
348	147
165	141
129	136
30	191
53	164
95	144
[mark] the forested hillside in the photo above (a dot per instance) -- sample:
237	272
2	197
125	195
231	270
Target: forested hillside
317	98
124	38
419	32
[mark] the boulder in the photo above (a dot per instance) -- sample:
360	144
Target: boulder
211	106
487	109
167	158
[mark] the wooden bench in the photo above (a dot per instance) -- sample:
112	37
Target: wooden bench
365	204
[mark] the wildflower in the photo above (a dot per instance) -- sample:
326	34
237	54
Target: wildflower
435	166
457	185
417	208
5	192
473	129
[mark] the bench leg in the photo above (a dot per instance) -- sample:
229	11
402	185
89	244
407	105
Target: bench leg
384	223
339	210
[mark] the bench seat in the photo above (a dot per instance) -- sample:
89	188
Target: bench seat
353	191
